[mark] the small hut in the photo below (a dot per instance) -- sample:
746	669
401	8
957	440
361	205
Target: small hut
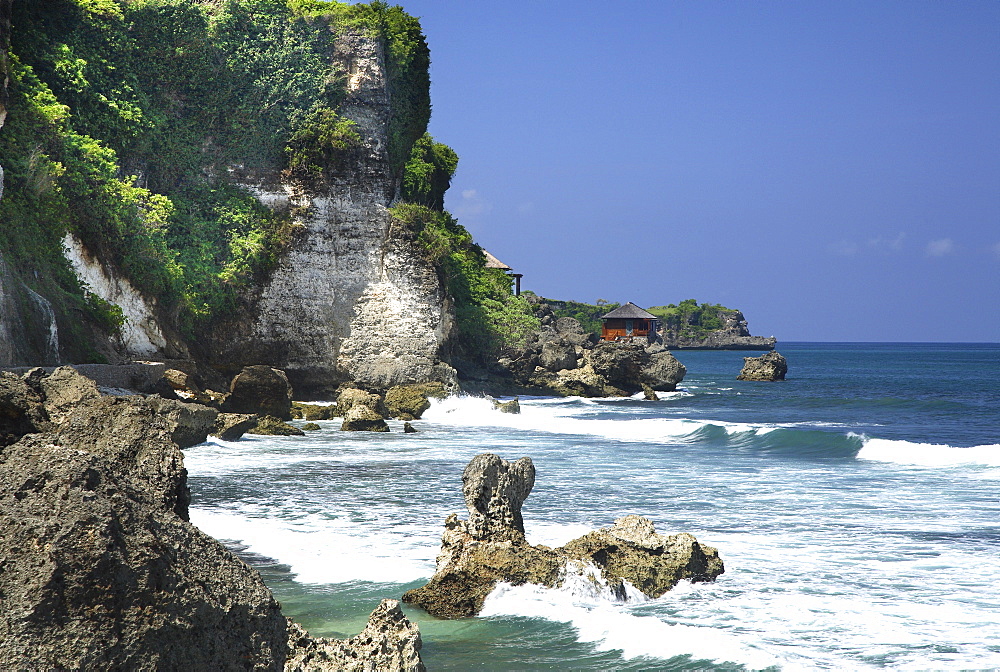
628	322
493	262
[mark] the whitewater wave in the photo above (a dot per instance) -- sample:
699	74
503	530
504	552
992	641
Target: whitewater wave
571	416
323	551
599	619
928	454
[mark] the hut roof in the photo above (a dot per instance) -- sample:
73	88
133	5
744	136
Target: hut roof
629	311
493	262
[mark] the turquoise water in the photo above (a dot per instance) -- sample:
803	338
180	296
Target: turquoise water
855	505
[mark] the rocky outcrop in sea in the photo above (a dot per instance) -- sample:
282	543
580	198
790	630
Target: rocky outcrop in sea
733	335
99	566
490	547
768	367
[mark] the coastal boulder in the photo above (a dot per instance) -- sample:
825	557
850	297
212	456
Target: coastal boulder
99	568
261	390
363	419
232	426
190	424
621	364
272	426
770	366
490	547
350	397
662	371
630	550
21	409
408	402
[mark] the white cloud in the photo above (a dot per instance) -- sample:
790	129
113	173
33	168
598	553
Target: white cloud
939	248
888	244
470	207
844	248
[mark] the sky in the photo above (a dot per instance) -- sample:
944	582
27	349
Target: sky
832	169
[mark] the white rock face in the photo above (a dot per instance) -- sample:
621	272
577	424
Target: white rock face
141	334
354	298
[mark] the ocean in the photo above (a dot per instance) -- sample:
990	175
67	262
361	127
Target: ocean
856	506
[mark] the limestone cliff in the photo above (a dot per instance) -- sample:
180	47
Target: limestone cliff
354	298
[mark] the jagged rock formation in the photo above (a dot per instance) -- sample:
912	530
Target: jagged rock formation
734	335
768	367
388	642
408	402
101	569
354	299
490	547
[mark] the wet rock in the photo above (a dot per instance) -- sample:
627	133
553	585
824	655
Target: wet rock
408	402
260	390
630	550
770	366
350	397
648	393
310	427
303	411
490	547
363	419
512	406
389	642
408	428
232	426
272	426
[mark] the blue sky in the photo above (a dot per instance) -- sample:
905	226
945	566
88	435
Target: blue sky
830	168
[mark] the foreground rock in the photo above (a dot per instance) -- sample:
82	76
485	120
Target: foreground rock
490	547
363	419
389	642
100	568
768	367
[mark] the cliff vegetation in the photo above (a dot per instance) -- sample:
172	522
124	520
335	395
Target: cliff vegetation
130	121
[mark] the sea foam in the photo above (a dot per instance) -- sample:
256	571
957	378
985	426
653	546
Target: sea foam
929	454
607	624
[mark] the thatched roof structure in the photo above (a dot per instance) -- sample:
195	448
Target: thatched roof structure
629	311
493	262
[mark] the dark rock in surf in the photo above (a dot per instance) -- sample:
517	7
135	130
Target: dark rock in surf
490	547
768	367
260	390
363	419
272	426
408	402
512	406
232	426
